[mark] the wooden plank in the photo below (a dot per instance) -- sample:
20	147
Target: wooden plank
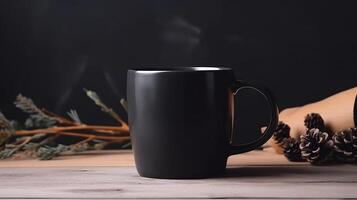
117	158
123	182
124	158
257	174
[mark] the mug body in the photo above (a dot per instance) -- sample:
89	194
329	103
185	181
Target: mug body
180	120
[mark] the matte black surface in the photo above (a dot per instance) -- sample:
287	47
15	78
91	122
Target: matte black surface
181	121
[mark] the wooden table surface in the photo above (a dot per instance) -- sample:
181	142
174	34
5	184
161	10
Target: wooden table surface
112	175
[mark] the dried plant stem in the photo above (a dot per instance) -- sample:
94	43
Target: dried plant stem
85	135
117	117
44	126
94	137
77	127
58	118
122	132
83	141
112	132
18	147
94	96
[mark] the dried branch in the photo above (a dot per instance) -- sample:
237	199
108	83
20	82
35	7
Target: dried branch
61	120
71	128
8	153
42	128
37	115
94	96
92	136
74	116
47	152
124	104
6	130
28	106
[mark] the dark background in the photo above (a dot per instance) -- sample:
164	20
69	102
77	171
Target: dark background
50	50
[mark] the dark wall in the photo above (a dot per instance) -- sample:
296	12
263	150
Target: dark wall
50	50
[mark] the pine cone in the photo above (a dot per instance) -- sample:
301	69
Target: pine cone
316	146
314	120
345	145
281	133
291	150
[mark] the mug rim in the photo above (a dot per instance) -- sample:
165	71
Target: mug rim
178	69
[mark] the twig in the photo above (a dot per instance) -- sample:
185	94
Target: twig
94	96
45	126
67	128
58	118
94	137
111	132
85	135
18	147
124	104
83	141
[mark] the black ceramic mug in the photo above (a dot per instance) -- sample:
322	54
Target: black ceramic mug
181	120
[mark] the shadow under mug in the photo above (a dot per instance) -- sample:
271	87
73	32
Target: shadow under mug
181	120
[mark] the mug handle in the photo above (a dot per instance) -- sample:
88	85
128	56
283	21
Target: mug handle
236	149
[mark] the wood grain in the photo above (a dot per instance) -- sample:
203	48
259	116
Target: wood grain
124	158
249	176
